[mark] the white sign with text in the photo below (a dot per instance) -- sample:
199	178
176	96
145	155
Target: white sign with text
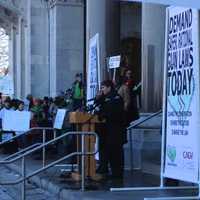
59	120
114	62
16	120
183	97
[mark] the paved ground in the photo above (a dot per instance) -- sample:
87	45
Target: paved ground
4	194
56	187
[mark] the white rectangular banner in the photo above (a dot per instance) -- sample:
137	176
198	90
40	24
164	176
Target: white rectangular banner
93	71
183	97
60	116
16	120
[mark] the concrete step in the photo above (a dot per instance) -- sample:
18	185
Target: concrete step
57	188
13	192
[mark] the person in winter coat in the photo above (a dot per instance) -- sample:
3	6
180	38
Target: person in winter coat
111	141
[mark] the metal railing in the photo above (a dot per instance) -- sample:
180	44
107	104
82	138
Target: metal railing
12	156
81	153
135	125
29	132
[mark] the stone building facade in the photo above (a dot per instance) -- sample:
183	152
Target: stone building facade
49	41
46	44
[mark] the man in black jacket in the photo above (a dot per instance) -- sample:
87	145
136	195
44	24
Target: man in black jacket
112	140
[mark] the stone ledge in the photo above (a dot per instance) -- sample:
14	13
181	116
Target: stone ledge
53	3
8	4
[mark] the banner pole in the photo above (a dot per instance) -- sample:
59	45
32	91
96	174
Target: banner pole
114	75
164	103
198	29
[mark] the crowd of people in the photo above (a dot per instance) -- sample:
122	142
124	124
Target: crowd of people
43	112
44	109
116	104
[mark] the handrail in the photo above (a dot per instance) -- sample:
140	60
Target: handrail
133	126
44	129
82	153
22	151
45	168
144	120
44	145
27	133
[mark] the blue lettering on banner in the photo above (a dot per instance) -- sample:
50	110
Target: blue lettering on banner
180	75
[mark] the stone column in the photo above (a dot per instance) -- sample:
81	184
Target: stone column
18	59
96	23
11	53
39	48
103	18
66	43
53	37
27	44
153	43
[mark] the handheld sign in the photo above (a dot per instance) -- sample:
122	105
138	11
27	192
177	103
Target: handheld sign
114	62
60	116
16	120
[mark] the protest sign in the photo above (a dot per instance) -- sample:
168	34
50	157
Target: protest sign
16	120
60	116
183	116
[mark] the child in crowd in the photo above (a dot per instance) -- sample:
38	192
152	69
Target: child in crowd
21	106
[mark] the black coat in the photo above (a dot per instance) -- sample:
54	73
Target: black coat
112	110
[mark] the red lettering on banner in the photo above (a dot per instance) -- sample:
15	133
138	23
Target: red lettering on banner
188	155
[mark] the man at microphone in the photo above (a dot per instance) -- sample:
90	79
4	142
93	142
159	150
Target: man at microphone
110	108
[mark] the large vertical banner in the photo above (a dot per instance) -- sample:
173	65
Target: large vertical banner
183	116
93	79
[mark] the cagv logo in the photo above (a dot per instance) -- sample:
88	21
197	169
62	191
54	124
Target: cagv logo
188	155
171	153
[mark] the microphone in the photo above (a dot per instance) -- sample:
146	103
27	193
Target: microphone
92	99
97	102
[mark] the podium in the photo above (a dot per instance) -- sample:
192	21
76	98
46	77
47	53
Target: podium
86	122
